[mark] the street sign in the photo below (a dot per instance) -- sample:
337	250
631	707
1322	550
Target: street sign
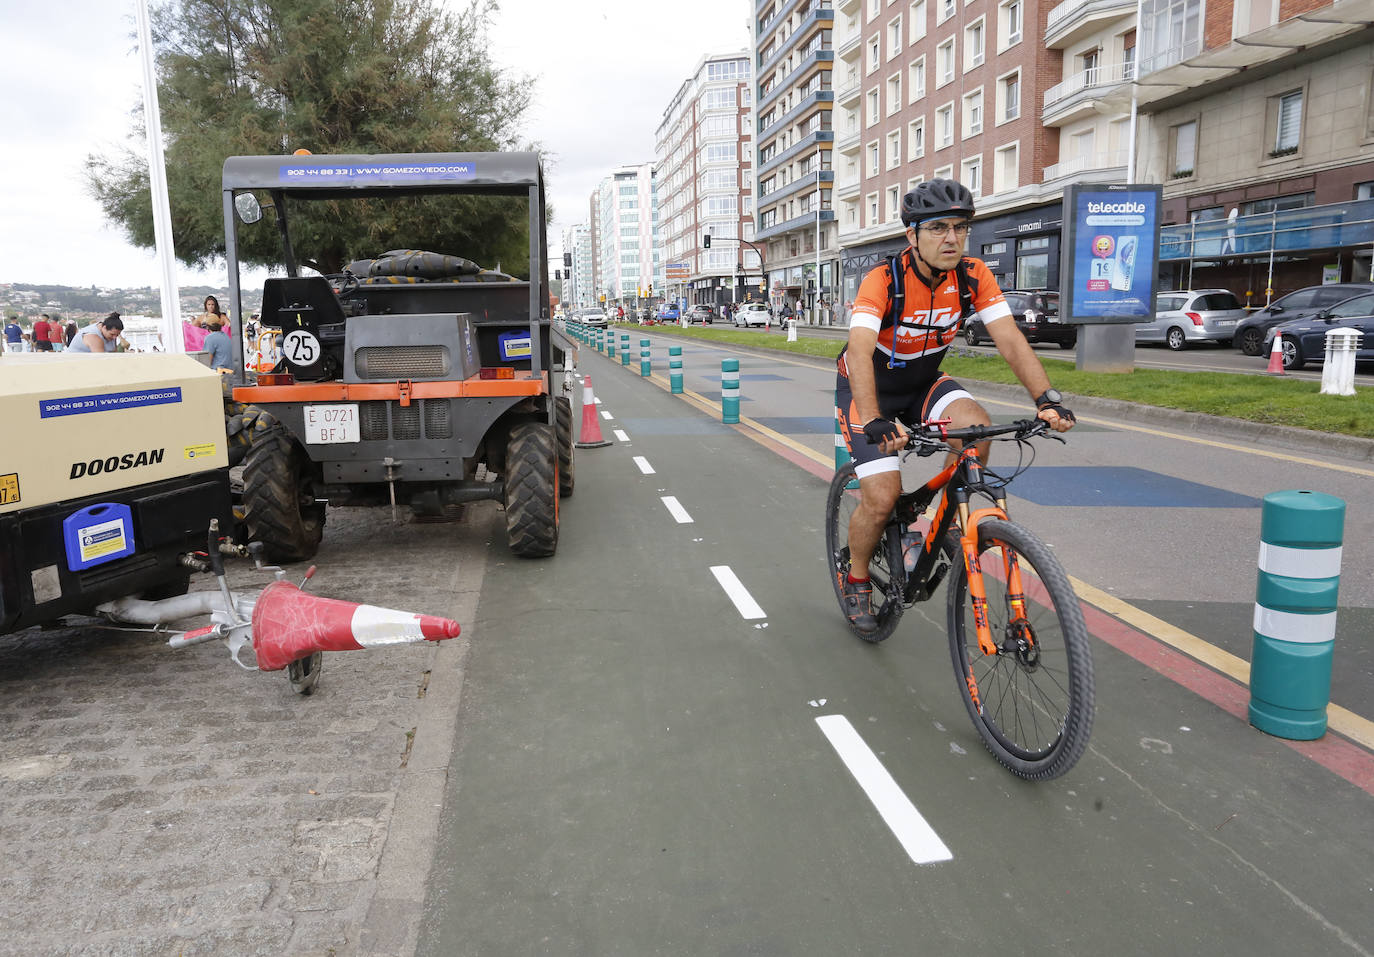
675	270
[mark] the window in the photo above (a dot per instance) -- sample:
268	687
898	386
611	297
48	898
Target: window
972	175
1128	55
993	249
1006	169
945	172
873	114
894	37
917	20
1249	17
875	7
1172	32
911	183
721	99
973	113
894	149
916	79
973	45
894	93
1364	191
873	55
873	158
1182	149
1289	127
916	138
873	219
1008	24
944	126
944	63
1009	97
1089	62
944	10
721	153
894	204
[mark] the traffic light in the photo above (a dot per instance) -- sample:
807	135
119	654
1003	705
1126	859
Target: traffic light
706	241
567	260
558	275
763	286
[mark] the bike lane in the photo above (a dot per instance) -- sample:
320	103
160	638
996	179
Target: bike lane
641	768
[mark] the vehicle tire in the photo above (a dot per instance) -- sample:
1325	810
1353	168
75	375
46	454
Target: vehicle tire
1251	341
243	423
970	336
884	568
1175	339
1032	703
1292	354
566	465
280	506
531	490
1068	343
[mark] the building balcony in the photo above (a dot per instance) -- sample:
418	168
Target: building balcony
849	142
821	98
796	186
849	6
805	221
783	9
1085	93
816	58
849	93
821	16
820	139
849	189
1073	20
1105	167
847	48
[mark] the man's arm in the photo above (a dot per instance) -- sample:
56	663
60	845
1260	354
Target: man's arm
94	341
1017	352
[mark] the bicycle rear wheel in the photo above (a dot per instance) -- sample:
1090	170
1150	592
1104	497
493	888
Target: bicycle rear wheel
840	503
1033	701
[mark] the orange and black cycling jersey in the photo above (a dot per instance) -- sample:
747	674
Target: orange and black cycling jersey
909	352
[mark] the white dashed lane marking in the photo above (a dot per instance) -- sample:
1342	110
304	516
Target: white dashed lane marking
676	510
737	593
644	465
620	434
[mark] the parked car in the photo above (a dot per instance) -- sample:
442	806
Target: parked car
590	317
668	313
751	314
1250	333
1037	316
1197	315
1304	340
701	312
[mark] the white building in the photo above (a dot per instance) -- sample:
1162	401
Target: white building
626	203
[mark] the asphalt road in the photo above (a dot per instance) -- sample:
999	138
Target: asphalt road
644	758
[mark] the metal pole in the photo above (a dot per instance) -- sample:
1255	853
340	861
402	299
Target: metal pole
1269	283
1135	89
157	182
1192	251
816	296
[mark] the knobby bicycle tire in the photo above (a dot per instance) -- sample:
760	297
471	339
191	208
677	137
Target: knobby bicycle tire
1033	708
840	503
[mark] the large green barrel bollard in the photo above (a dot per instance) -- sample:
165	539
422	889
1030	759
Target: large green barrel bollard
610	345
729	391
624	348
644	359
675	369
1295	613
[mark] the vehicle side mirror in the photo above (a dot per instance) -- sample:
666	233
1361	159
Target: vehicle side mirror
1276	308
246	205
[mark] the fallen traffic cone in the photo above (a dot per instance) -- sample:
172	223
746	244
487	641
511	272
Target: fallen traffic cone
591	425
1276	357
289	624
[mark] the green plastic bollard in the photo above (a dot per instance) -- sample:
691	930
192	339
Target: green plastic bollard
1295	613
644	359
675	369
729	391
610	345
624	348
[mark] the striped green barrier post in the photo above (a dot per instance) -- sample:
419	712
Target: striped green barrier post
675	369
729	391
624	348
610	345
601	341
1295	613
644	359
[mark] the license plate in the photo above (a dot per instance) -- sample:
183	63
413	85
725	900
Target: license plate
331	424
1223	323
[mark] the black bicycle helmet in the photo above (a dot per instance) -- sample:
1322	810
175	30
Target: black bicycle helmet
934	198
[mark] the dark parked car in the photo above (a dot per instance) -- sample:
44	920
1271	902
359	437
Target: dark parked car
1304	340
701	313
1250	334
1037	316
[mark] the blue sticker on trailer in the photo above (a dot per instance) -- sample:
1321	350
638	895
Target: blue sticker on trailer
104	402
380	173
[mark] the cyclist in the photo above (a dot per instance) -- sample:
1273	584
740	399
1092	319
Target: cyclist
890	366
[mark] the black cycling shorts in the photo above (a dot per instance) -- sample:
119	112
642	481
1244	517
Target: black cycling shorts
920	405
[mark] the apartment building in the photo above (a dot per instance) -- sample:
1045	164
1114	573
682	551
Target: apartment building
1258	118
625	224
794	58
578	285
704	148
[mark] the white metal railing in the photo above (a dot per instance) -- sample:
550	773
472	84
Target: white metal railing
1111	159
1167	58
1097	77
1071	11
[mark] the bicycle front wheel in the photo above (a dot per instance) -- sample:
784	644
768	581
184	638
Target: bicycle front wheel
1032	702
840	503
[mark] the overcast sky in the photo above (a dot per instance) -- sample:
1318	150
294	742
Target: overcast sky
604	74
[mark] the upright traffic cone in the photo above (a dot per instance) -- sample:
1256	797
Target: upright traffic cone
591	425
289	624
1276	357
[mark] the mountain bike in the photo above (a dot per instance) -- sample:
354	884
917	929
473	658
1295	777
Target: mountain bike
1017	638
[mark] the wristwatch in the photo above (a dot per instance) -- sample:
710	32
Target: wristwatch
1048	397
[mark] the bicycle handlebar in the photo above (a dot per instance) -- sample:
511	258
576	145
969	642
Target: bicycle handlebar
933	435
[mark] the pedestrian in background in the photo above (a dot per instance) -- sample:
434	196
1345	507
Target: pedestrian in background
40	334
57	335
102	336
219	347
70	332
14	335
211	314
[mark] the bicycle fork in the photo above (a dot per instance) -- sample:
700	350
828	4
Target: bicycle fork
969	522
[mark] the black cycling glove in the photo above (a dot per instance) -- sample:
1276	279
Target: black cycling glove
1059	410
879	429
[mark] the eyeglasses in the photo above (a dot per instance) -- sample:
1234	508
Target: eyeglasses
941	230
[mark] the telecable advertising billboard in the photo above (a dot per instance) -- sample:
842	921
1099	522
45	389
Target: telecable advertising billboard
1110	253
